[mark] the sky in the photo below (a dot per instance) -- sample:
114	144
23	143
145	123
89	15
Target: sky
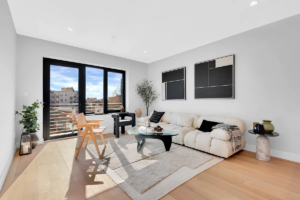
61	77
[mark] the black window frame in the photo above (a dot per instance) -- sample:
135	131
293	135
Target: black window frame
47	62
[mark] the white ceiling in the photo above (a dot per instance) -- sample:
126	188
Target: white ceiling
161	27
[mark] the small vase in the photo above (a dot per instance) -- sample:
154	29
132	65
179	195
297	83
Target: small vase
268	126
34	139
138	112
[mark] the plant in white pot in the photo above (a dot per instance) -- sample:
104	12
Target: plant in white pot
29	120
147	93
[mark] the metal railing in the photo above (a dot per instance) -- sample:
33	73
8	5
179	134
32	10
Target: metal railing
61	120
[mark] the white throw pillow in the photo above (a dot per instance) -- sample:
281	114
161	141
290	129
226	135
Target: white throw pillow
185	121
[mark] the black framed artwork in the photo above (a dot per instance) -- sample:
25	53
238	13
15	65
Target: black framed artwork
174	84
215	78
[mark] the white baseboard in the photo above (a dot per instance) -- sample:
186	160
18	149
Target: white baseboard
7	166
276	153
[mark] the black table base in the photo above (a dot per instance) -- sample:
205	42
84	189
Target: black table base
167	140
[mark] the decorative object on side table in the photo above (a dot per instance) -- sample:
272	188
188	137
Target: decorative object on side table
259	129
138	112
29	121
268	126
263	145
147	93
254	124
25	144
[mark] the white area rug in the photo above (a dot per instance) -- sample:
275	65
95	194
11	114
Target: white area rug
152	172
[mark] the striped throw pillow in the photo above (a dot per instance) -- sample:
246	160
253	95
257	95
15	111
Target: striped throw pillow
156	116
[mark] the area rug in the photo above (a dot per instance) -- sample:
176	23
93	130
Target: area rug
152	172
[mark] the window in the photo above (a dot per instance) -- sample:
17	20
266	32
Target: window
94	89
95	86
115	86
77	88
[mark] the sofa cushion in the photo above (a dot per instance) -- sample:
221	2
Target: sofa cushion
185	121
226	120
173	118
223	148
203	142
157	124
206	126
181	131
195	119
220	134
166	117
156	116
190	138
170	127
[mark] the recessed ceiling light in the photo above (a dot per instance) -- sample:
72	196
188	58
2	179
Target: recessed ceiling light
145	51
253	3
70	29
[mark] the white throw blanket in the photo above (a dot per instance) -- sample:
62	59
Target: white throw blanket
235	135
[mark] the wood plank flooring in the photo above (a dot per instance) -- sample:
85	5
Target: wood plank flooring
51	172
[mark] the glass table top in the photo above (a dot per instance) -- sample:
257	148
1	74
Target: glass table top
273	134
142	130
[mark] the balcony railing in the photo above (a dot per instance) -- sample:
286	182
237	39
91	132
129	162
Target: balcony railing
61	120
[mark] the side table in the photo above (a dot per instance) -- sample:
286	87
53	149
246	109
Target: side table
263	145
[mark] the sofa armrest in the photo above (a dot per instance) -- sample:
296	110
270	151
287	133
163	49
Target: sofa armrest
142	120
220	134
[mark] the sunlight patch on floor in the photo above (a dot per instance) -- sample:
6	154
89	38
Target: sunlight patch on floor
55	174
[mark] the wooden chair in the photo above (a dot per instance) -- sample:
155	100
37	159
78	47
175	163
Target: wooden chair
90	128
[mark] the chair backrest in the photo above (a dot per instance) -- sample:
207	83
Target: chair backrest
79	119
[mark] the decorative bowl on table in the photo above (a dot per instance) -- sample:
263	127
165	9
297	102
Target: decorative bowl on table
158	129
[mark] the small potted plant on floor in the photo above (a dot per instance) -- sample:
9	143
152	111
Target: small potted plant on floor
29	121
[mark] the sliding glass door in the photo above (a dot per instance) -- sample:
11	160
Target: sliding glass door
72	88
63	100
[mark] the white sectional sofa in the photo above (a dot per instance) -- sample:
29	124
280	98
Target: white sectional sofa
216	143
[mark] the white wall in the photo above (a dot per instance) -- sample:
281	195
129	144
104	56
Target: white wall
7	88
267	82
31	51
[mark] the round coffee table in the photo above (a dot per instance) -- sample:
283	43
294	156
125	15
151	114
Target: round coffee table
263	145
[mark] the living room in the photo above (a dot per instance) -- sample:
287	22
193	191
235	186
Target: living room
205	92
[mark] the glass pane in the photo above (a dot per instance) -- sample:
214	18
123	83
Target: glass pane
94	91
114	90
63	99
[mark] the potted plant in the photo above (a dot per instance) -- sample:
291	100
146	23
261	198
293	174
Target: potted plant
147	93
29	121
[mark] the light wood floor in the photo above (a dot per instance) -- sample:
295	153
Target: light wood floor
51	172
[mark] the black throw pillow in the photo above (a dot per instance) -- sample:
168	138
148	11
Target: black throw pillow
156	116
206	126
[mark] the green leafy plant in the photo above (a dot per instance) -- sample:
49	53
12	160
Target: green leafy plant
29	117
147	93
